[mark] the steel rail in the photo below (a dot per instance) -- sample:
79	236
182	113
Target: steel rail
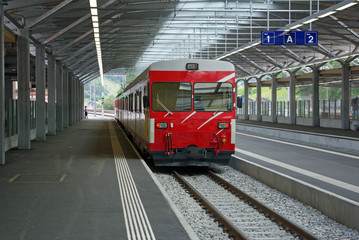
235	231
302	233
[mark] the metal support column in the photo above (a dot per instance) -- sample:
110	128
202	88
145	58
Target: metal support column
23	77
78	100
65	96
315	97
75	98
292	104
95	98
59	98
274	99
72	98
259	100
246	115
82	100
345	122
40	93
51	90
236	96
2	86
69	99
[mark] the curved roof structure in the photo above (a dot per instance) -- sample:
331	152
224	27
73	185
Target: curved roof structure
136	33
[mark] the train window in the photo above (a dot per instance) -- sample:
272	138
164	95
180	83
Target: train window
171	96
131	102
136	102
213	97
140	102
126	103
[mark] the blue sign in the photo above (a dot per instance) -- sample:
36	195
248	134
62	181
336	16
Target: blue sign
289	38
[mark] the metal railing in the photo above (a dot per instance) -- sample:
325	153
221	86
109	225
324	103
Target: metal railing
304	108
328	109
11	116
283	108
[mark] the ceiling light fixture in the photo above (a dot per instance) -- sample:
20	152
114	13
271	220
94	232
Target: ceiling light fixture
93	3
326	14
96	31
346	6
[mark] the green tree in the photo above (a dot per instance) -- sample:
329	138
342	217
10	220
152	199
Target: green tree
330	93
109	102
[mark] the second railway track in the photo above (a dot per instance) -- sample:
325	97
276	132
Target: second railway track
241	215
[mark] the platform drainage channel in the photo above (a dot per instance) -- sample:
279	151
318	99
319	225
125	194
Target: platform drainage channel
38	178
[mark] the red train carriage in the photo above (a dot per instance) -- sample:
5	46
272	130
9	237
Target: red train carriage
182	112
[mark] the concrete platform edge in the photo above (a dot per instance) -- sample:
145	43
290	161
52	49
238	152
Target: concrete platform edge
312	139
338	208
174	208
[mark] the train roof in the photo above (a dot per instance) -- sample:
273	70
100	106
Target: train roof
180	65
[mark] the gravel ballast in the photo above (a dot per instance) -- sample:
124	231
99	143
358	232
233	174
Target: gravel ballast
206	227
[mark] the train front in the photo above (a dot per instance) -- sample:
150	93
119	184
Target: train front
192	117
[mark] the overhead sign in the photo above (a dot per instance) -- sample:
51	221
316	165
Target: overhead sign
289	38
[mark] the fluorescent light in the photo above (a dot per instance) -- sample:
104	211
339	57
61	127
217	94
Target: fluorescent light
93	3
296	26
239	50
94	18
94	11
310	20
96	30
346	6
326	14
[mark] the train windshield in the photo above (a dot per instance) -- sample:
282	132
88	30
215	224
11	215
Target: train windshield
213	97
171	96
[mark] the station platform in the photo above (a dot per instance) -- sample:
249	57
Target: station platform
318	166
301	128
330	138
85	183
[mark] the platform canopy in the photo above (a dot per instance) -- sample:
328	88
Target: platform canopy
135	33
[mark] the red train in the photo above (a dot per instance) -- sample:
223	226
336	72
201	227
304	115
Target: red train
182	112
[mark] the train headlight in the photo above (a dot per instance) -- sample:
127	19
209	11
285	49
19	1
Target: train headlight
161	125
223	125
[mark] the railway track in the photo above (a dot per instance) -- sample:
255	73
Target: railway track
241	215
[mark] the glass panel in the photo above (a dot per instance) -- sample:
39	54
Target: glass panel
213	97
174	96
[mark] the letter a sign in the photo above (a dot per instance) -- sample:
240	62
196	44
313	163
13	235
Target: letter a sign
289	39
